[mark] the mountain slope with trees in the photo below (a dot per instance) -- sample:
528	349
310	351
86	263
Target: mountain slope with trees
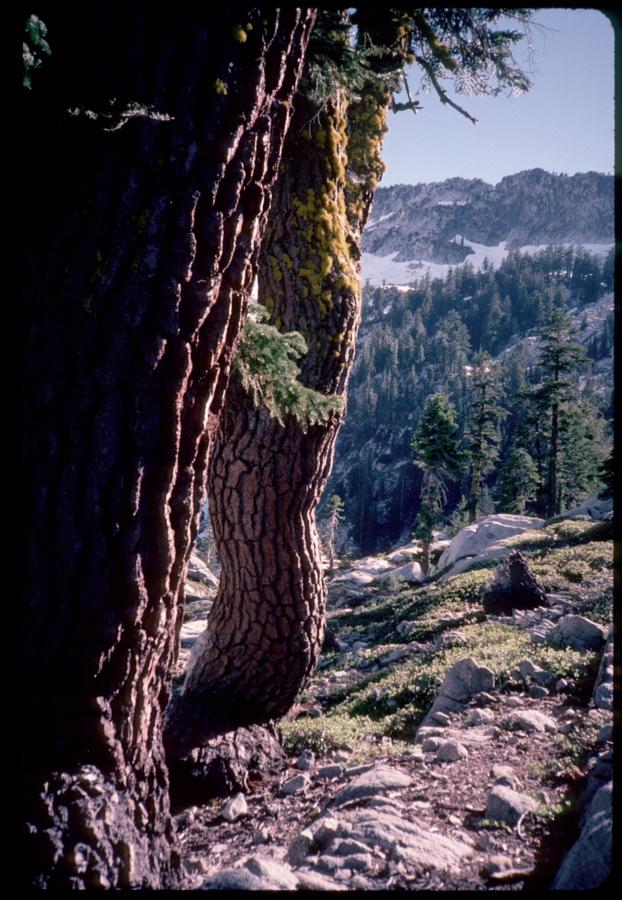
426	340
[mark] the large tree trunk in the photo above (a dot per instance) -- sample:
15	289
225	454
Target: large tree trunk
265	629
143	238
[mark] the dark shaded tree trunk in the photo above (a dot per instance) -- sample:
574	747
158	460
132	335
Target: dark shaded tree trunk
266	626
144	215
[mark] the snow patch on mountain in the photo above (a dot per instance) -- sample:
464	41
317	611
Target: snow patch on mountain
378	270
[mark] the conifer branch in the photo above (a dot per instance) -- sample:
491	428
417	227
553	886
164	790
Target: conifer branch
441	93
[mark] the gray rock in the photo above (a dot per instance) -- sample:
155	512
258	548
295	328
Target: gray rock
588	864
605	734
531	720
378	780
306	760
268	869
332	771
308	880
261	836
300	847
440	718
351	771
505	775
406	841
410	572
348	847
577	632
514	702
505	805
234	808
394	656
466	678
474	539
324	832
450	751
431	744
497	864
296	785
541	676
451	639
537	691
199	571
483	698
480	717
561	685
236	880
603	695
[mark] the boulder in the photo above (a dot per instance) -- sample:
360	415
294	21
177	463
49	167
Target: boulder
472	540
594	507
588	864
505	805
531	720
279	875
450	751
305	761
379	780
466	678
577	632
298	784
410	572
199	571
234	808
513	586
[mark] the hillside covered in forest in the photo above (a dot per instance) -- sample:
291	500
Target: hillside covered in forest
428	338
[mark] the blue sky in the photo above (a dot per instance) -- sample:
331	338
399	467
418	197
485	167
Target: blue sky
564	124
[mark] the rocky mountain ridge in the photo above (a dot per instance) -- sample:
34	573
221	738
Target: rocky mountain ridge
444	222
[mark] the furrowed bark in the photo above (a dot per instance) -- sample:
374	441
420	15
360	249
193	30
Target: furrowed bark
144	222
265	630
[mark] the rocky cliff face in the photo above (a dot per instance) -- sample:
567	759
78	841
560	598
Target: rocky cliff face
436	222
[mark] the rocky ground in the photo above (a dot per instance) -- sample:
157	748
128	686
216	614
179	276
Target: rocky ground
437	747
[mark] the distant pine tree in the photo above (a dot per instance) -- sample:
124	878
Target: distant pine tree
482	435
518	481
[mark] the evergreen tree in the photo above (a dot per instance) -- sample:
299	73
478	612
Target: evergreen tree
518	481
334	509
438	454
553	399
482	434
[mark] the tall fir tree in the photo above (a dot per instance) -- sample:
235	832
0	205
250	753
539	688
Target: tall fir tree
555	397
482	434
438	454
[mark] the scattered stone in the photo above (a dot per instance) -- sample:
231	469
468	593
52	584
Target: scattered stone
450	639
340	756
543	677
410	572
305	761
603	696
588	864
505	775
480	717
360	645
261	836
466	678
324	832
506	805
497	864
378	780
441	718
537	692
296	785
236	880
561	685
309	880
514	702
513	586
268	869
605	734
450	751
332	771
577	632
483	698
394	656
531	720
234	808
430	744
351	771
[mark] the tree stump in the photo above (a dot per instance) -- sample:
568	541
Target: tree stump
513	586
